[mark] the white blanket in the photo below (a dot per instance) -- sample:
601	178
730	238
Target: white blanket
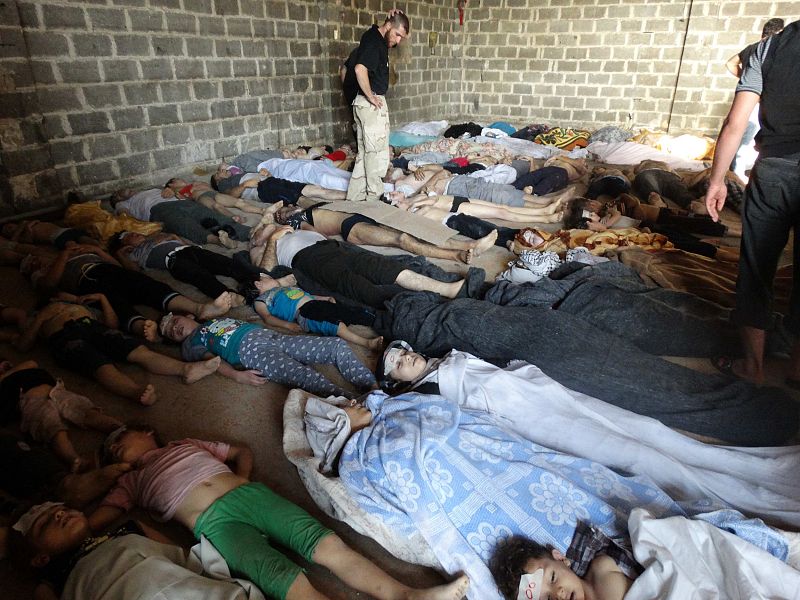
632	153
760	482
686	559
435	128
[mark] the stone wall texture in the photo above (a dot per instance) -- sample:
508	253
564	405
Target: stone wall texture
100	94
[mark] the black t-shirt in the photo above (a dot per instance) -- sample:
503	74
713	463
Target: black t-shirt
373	53
350	84
16	384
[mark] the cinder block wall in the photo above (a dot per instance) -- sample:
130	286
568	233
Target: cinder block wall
652	63
98	94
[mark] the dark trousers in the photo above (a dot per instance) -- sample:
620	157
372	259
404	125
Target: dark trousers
665	184
199	267
360	275
329	312
476	228
124	289
544	181
194	221
771	210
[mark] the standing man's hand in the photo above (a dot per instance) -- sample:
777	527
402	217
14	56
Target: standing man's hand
715	198
395	11
375	101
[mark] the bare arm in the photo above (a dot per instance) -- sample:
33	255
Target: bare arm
727	144
239	189
362	76
241	459
251	377
103	517
110	318
273	321
734	66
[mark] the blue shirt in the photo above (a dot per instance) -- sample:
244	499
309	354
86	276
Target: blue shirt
283	302
221	337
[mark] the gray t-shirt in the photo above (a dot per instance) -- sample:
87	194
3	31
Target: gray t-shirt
752	79
152	254
75	269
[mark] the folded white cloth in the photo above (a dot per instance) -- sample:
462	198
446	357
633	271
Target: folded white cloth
327	429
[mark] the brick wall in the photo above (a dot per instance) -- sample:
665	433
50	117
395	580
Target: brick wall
622	62
98	94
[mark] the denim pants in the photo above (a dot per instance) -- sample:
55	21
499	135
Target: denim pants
771	210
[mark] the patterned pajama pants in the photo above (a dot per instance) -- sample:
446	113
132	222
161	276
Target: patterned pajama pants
285	359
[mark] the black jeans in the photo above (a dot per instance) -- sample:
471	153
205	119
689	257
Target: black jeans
476	228
665	184
771	209
199	267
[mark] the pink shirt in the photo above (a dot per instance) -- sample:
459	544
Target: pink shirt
164	476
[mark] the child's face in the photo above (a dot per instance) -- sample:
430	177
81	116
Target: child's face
409	367
265	283
132	445
58	530
559	582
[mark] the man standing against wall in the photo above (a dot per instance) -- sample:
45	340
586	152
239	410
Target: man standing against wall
772	196
369	107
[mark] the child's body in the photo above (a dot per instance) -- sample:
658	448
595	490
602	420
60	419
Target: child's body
44	404
190	482
293	309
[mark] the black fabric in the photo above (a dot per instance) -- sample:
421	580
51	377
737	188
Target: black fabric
350	85
275	189
85	345
590	361
358	274
199	267
459	170
456	131
530	132
124	289
544	181
665	184
458	201
226	184
352	221
608	185
322	310
28	472
400	163
68	235
476	228
779	111
373	53
16	384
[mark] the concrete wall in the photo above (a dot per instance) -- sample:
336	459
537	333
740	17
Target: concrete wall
97	94
653	63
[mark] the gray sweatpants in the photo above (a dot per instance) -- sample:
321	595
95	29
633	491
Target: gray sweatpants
478	189
284	359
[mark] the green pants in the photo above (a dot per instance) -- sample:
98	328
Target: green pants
243	523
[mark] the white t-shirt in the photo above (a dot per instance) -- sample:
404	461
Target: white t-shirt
139	205
290	244
250	193
315	172
503	174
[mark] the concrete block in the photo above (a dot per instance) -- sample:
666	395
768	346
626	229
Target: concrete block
226	148
132	45
92	44
263	29
233	127
80	72
169	158
30	160
112	19
245	68
199	47
141	93
223	109
198	6
249	106
211	25
219	68
143	140
181	23
64	17
239	27
168	46
92	122
231	48
163	115
97	173
22	13
226	7
206	131
158	69
194	111
276	9
120	70
176	135
254	49
190	69
106	147
48	100
252	8
233	89
54	126
98	96
165	3
146	20
205	90
174	91
136	164
38	43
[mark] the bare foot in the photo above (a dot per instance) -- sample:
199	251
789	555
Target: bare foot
454	590
220	306
655	199
375	344
195	371
484	243
528	189
465	256
452	289
225	240
148	397
236	300
150	331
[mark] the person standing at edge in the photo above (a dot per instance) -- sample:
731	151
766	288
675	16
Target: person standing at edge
369	107
772	196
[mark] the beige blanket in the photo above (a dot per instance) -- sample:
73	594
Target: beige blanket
420	227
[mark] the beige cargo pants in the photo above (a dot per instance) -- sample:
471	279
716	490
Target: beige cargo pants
372	133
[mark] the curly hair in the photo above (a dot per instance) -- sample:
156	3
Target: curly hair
508	561
249	291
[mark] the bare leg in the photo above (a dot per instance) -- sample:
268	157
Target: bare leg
751	367
420	283
371	235
344	332
317	192
117	382
301	589
364	576
160	364
64	449
551	199
220	306
99	421
518	215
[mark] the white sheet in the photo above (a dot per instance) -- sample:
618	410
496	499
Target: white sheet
686	559
761	482
301	170
531	149
632	153
502	174
435	128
